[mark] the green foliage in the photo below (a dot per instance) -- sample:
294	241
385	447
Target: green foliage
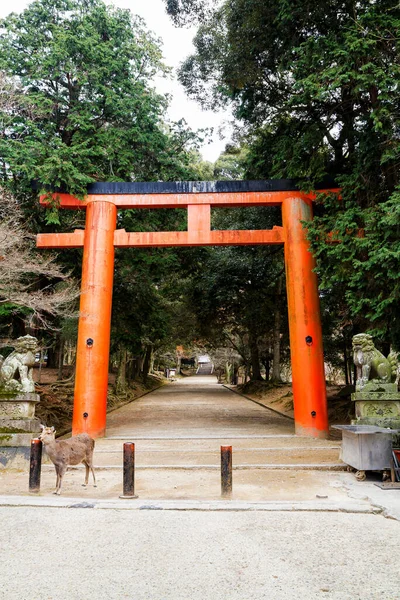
365	263
231	164
10	314
186	12
89	111
203	170
7	309
149	305
316	85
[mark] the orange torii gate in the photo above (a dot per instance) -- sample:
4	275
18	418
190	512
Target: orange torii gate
100	238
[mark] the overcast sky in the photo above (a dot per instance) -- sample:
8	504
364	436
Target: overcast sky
177	44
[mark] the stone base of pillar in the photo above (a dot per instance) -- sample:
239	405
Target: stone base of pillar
18	425
377	404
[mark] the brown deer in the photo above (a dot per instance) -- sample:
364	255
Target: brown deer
62	453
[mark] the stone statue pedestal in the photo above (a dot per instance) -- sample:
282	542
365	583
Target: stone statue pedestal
377	404
18	425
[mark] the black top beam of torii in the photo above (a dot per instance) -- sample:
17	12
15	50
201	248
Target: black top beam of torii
195	187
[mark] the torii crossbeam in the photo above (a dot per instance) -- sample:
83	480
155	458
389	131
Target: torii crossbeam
100	238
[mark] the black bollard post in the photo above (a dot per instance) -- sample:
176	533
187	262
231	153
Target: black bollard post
129	471
35	465
226	471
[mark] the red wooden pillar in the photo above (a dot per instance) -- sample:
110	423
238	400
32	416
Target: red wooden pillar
90	402
308	373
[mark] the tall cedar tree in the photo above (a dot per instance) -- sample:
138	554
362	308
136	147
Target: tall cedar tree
90	112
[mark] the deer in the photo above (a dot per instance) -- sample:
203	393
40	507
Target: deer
62	453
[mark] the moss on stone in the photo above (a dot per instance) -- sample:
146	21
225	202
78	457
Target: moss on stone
12	430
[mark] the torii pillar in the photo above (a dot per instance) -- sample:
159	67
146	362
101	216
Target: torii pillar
93	348
306	347
100	238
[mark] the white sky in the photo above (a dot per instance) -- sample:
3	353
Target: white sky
177	44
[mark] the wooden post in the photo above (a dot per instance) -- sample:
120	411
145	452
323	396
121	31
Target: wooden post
226	471
129	471
35	465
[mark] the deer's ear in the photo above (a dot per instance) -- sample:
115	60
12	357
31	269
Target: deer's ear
42	427
53	430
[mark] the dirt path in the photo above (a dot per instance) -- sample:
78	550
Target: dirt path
195	407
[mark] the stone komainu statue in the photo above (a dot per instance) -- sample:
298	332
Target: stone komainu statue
371	365
16	369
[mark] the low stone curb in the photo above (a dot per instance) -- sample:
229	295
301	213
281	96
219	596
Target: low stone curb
223	435
266	467
241	450
318	505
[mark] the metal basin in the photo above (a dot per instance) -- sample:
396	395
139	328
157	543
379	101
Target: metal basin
366	447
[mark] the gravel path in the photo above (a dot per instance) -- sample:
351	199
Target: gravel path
58	553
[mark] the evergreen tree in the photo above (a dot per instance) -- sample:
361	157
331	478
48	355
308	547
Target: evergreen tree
317	86
88	109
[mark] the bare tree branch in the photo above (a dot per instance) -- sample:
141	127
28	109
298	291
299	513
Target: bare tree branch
28	278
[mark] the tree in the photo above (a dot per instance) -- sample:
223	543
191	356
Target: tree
32	285
316	86
186	12
231	164
85	70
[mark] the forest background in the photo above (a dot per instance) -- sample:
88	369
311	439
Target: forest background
314	88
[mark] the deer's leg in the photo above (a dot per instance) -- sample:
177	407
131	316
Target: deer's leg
61	469
57	479
89	463
92	469
86	473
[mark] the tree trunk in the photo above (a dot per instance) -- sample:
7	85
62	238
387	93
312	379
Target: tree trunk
53	354
267	366
346	366
178	363
120	380
71	351
255	359
52	358
136	367
61	360
147	361
40	366
234	379
276	360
